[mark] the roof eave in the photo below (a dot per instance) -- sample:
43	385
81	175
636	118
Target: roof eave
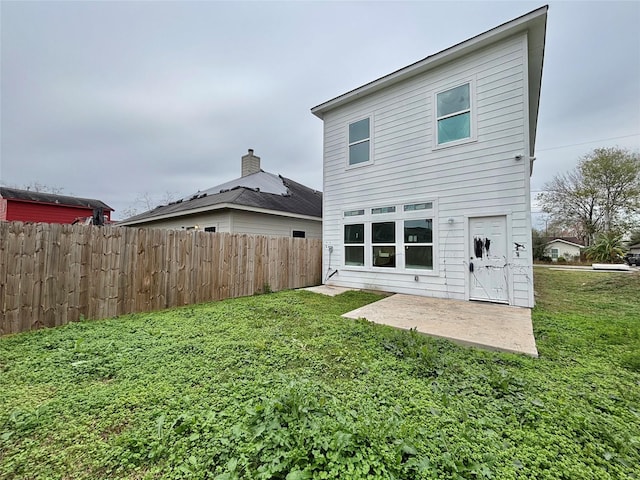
566	242
59	204
531	21
219	206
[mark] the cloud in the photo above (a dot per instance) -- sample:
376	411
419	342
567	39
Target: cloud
112	99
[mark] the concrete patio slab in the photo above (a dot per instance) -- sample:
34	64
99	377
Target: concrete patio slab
484	325
327	290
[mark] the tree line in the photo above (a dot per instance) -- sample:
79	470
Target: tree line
598	201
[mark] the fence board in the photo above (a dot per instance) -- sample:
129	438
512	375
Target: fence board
54	274
4	234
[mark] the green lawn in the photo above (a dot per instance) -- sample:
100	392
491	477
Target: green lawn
280	386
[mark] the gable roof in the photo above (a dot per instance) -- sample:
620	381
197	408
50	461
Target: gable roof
259	192
575	241
50	198
533	23
260	181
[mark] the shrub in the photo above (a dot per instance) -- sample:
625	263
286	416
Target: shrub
608	248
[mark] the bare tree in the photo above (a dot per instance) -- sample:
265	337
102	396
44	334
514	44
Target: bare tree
600	195
571	205
145	202
36	186
615	173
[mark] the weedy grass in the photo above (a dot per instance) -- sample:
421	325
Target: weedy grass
279	386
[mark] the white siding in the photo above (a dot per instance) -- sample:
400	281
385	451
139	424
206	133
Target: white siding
568	252
220	220
478	178
263	224
237	221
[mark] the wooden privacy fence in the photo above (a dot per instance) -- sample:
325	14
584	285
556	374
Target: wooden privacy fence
52	274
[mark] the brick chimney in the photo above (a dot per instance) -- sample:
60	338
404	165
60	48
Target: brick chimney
250	163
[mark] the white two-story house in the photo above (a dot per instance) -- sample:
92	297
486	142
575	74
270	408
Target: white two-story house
427	172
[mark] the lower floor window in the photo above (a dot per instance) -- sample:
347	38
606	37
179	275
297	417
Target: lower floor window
404	243
554	253
383	238
419	257
418	241
384	256
354	256
354	244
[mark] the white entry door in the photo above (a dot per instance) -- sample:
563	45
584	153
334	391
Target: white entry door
488	270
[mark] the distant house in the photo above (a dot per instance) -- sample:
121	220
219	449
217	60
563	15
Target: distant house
568	248
258	202
427	171
30	206
635	249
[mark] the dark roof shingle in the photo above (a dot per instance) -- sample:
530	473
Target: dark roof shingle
41	197
299	199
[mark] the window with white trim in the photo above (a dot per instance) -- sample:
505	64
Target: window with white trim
354	213
418	244
383	244
379	210
354	244
554	253
396	237
359	142
453	114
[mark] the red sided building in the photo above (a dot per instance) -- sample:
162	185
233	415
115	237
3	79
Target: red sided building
29	206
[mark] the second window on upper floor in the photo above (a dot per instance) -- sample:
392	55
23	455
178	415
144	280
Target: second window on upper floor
359	142
453	114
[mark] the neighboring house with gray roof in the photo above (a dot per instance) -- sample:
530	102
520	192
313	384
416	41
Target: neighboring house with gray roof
258	202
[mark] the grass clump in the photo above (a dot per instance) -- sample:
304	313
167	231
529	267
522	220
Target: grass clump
279	386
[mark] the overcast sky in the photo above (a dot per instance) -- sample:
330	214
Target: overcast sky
110	100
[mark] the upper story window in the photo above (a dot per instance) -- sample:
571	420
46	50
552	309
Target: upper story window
453	114
359	142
